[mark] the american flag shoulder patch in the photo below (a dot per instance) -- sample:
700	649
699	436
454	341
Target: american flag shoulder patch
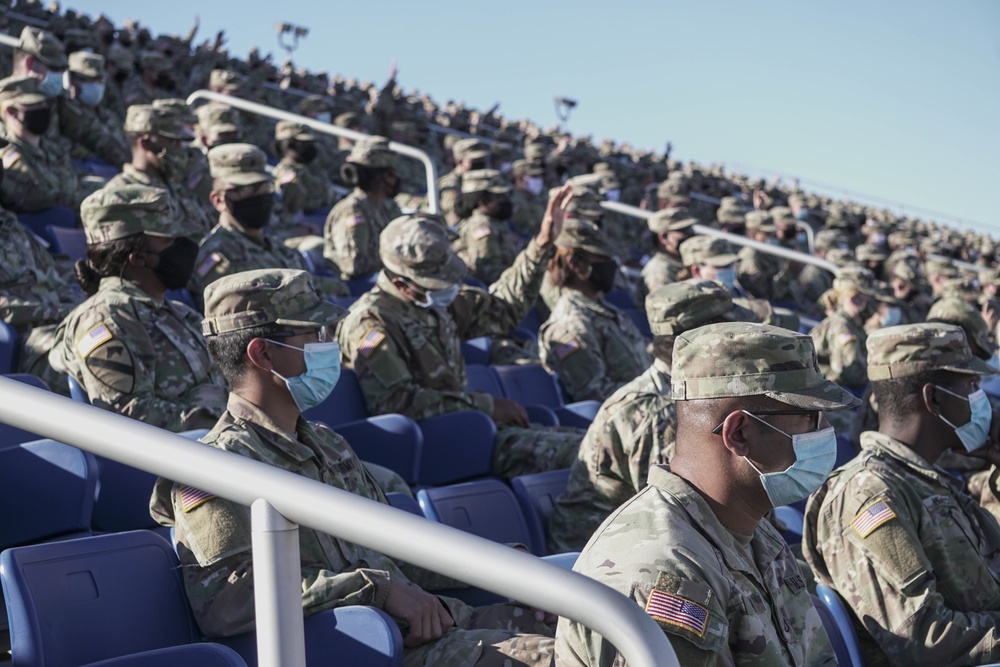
356	220
192	498
677	611
209	264
481	231
370	341
845	338
872	517
10	158
93	339
567	347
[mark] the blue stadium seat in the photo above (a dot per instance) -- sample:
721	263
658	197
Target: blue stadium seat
95	166
70	241
639	320
793	520
401	501
11	436
310	261
532	322
457	446
344	302
580	414
190	655
484	378
353	635
391	441
537	495
532	385
833	632
476	350
184	296
8	349
485	507
850	654
359	286
77	392
845	450
620	299
56	216
81	601
345	404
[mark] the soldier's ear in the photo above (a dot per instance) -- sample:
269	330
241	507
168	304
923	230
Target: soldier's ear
736	433
928	397
258	354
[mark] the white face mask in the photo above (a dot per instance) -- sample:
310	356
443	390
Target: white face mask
613	195
441	298
534	184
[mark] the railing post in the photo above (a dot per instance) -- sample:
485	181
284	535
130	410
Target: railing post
277	580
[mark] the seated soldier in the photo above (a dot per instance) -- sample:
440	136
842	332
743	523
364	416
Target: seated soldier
691	548
634	429
243	195
670	227
132	350
93	129
403	338
38	173
913	554
486	242
270	332
589	344
303	186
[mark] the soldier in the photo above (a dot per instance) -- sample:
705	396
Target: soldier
275	323
120	63
711	258
812	280
691	547
133	351
152	81
254	129
765	276
37	171
351	233
634	429
160	159
470	154
913	555
486	242
302	186
92	128
403	337
243	195
840	338
529	182
671	227
217	124
319	108
39	54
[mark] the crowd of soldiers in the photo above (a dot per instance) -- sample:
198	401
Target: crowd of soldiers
714	410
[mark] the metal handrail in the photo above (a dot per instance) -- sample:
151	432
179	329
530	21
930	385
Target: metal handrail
328	128
294	498
794	255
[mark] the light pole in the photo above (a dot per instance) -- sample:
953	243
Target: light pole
296	32
564	106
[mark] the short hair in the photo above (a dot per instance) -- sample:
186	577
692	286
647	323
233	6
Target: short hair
705	414
900	397
228	350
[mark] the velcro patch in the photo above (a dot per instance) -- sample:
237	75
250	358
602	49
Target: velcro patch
210	262
567	347
481	232
287	177
872	517
93	339
356	220
678	611
845	338
370	342
10	158
192	498
194	180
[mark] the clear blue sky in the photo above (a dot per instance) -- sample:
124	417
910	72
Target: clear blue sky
895	99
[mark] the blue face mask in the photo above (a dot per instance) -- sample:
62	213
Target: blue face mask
973	434
91	93
815	455
52	84
322	372
441	298
892	316
726	277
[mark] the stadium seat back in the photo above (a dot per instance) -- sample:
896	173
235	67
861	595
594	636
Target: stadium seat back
190	655
345	403
391	441
485	507
359	286
793	520
849	654
529	385
457	446
70	241
476	350
55	216
536	494
8	349
481	377
76	391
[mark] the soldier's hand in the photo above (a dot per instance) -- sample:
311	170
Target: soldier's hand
760	200
506	411
552	221
991	314
427	617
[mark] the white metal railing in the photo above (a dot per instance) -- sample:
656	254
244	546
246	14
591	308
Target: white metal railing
805	227
794	255
328	128
280	500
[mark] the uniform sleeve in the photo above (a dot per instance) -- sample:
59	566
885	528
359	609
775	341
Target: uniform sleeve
576	356
292	193
753	277
483	252
348	237
848	361
386	382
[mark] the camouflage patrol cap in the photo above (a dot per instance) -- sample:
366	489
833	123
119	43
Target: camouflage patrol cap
470	148
782	215
217	117
525	168
535	153
710	250
179	107
731	212
584	235
911	349
585	204
857	278
348	119
962	288
828	239
748	359
484	180
760	221
675	308
266	296
286	129
225	80
116	212
954	310
314	104
120	56
154	60
372	152
417	247
238	164
145	118
90	65
673	219
867	252
21	91
676	184
43	45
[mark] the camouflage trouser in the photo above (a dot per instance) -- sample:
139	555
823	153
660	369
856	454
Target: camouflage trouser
34	358
388	481
521	451
496	635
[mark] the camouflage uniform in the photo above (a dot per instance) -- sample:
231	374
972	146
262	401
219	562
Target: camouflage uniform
528	208
352	230
450	185
487	245
840	347
408	359
92	130
634	429
213	535
661	269
34	298
134	354
303	187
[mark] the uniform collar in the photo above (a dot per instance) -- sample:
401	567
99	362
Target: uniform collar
129	288
293	447
598	305
875	442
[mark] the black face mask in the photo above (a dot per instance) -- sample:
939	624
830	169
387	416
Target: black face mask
602	275
397	186
304	152
252	212
504	210
120	76
176	263
165	82
36	121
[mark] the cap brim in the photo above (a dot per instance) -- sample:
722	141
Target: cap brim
181	136
252	178
499	189
721	260
474	155
324	313
681	225
454	271
974	366
826	396
27	99
223	128
740	314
